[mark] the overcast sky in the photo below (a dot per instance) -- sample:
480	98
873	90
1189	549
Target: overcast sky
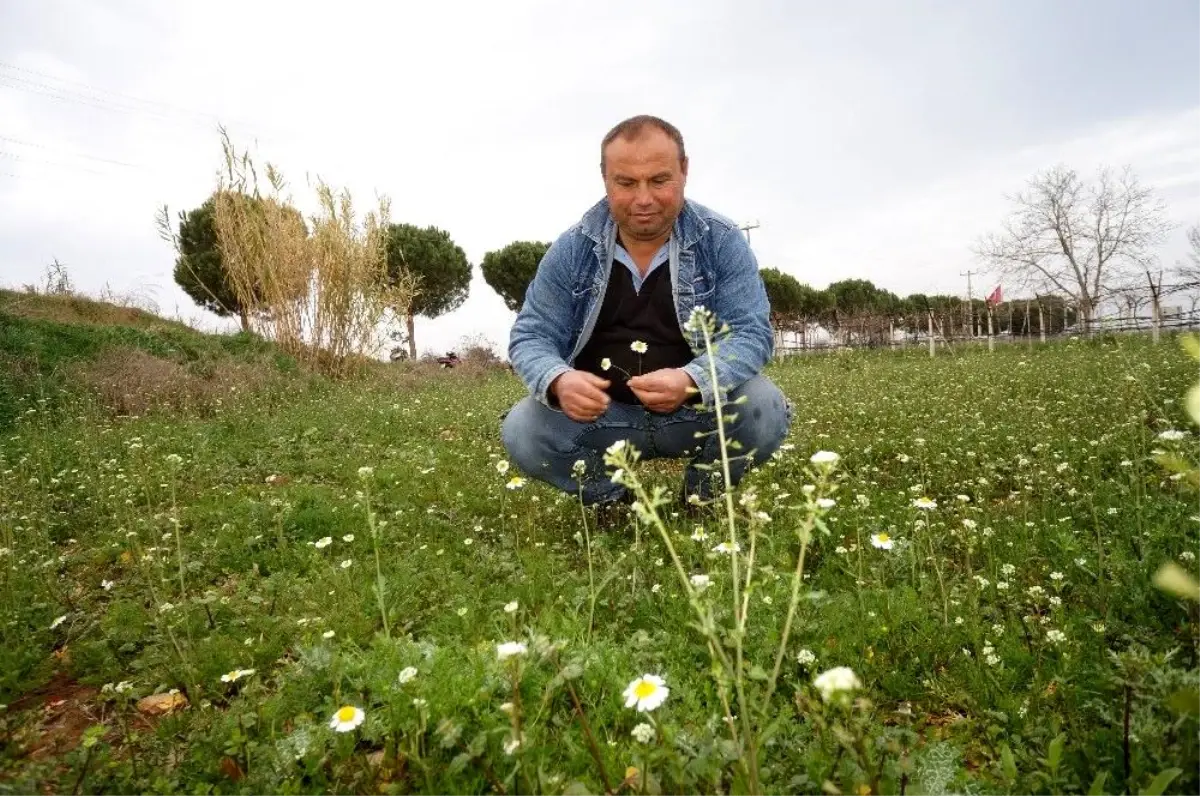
869	139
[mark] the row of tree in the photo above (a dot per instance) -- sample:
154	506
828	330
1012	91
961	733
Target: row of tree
858	311
427	254
1068	242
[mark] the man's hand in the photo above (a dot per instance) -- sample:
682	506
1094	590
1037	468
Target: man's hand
581	395
662	390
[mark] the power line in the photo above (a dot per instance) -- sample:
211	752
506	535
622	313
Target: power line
116	102
75	166
96	90
70	154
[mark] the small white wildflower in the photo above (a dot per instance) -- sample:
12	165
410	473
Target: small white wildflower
511	608
366	472
806	657
323	542
824	458
826	503
643	733
700	582
836	682
407	674
510	648
1055	636
502	466
58	621
638	347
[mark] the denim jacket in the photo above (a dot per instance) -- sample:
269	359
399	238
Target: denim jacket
711	265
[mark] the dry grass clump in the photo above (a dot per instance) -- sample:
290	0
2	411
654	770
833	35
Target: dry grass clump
322	293
77	309
130	381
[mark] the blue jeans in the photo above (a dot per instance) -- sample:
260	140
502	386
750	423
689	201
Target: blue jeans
545	444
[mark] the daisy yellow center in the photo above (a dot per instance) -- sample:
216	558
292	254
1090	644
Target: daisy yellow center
345	715
644	689
233	675
883	537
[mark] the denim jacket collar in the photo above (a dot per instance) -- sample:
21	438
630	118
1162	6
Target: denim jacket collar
598	224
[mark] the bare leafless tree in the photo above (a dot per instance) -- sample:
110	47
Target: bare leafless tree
1186	274
1082	240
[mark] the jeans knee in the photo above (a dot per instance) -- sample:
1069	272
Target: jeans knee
764	418
517	434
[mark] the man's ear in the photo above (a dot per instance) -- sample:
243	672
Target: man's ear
683	164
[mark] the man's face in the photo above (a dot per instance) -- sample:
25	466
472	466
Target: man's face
644	180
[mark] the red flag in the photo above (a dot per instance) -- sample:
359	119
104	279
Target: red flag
994	297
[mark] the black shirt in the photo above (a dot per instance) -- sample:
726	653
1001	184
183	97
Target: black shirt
627	316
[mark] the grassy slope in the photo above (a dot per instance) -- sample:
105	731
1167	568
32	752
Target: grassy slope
1037	439
43	336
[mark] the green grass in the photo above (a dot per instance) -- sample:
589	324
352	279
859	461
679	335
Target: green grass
964	685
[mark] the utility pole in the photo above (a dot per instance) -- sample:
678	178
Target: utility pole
970	301
747	227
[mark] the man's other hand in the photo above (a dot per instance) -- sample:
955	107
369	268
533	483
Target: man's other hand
581	395
663	390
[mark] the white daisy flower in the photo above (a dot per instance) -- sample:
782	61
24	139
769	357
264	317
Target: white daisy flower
700	582
605	363
516	482
511	608
323	542
502	466
347	719
925	504
638	347
646	693
407	674
882	541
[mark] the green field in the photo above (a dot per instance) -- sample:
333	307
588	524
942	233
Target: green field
1009	641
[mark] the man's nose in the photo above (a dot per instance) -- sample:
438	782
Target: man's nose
643	196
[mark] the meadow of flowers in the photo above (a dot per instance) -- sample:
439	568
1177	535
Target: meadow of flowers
943	583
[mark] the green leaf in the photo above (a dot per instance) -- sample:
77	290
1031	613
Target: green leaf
1174	579
1008	764
757	673
92	735
1055	752
1160	783
1186	702
577	788
1097	788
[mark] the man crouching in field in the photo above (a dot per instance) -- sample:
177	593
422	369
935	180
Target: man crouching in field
599	340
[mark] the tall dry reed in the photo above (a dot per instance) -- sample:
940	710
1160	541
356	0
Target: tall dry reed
320	291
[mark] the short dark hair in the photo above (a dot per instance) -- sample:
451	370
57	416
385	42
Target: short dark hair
634	126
